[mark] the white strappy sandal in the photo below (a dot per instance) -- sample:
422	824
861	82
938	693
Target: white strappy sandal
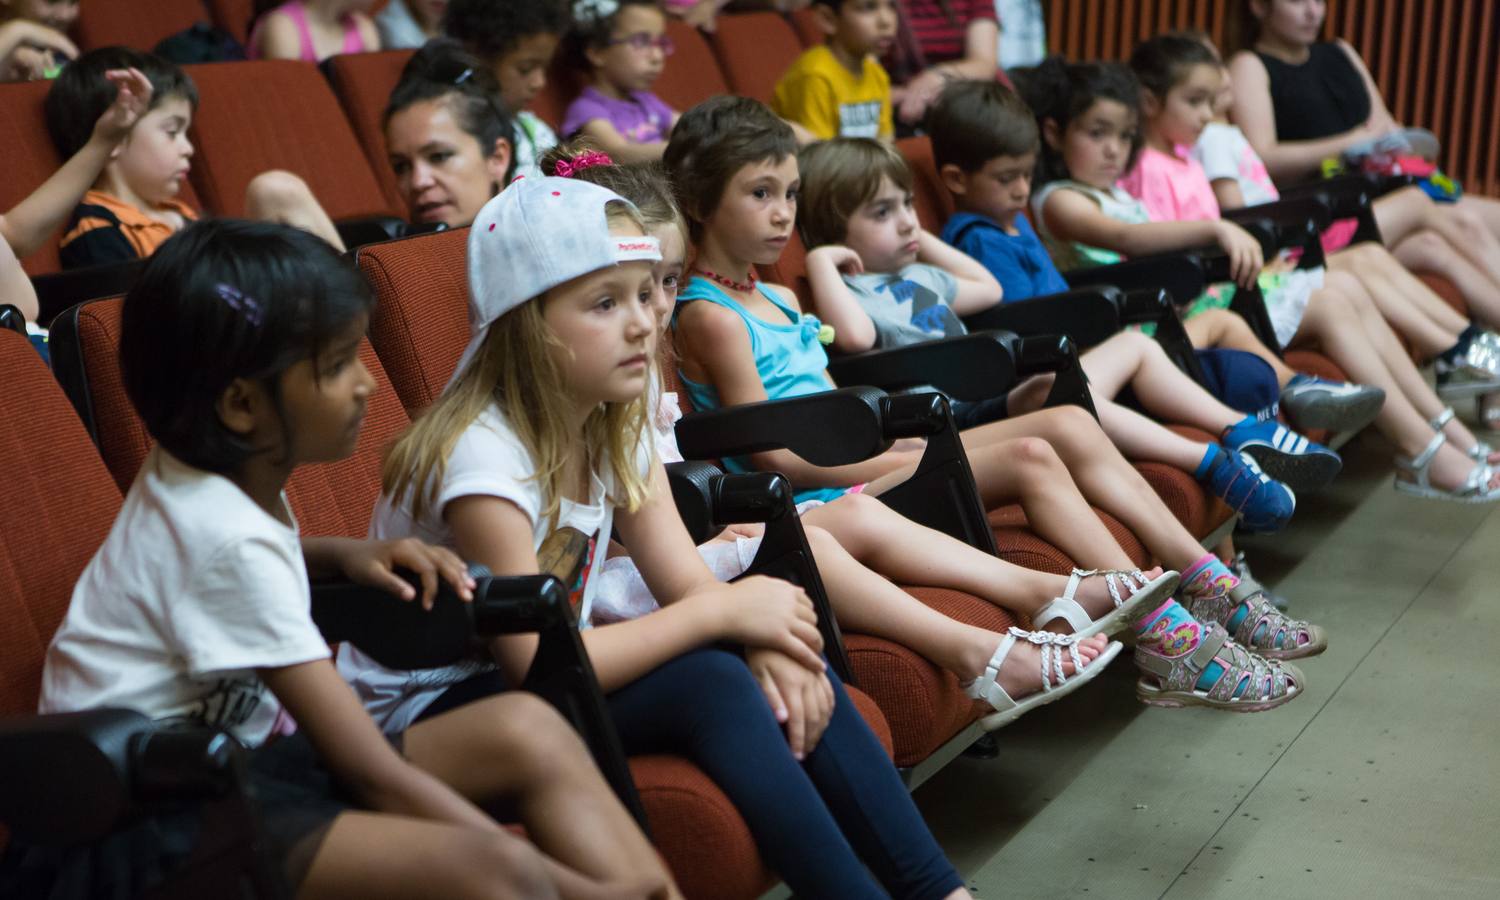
1055	684
1480	452
1132	594
1475	489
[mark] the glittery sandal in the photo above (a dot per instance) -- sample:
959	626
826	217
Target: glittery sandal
1262	628
1055	684
1173	669
1132	593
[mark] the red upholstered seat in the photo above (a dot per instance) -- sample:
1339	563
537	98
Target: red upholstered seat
138	25
755	49
278	114
692	73
363	82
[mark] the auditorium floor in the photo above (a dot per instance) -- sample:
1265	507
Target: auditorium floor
1383	781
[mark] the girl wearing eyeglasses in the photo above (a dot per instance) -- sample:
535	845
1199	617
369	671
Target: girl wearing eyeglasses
624	46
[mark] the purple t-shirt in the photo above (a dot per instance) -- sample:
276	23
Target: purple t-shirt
642	119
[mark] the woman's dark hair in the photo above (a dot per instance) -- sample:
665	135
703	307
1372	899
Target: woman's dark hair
714	140
591	31
80	94
225	299
492	28
442	69
1162	62
1241	29
1060	91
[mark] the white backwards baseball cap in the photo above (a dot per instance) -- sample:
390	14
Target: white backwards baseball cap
531	237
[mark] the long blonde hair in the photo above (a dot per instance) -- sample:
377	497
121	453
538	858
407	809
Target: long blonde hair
517	369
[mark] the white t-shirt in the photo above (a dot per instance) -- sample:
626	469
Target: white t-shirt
533	139
488	460
195	588
1225	152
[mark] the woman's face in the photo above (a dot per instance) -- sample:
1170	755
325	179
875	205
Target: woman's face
443	173
1298	22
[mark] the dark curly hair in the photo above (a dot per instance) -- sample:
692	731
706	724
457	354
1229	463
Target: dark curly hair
492	28
1060	91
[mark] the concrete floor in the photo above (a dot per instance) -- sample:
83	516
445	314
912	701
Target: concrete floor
1382	781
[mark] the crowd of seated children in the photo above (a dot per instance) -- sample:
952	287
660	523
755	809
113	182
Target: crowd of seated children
408	24
239	350
1180	78
1301	100
623	45
34	39
448	137
861	546
132	206
880	280
312	30
839	89
516	40
544	424
734	168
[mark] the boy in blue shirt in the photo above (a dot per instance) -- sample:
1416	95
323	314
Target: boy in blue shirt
985	142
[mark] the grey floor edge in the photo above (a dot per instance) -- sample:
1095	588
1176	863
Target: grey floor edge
1383	780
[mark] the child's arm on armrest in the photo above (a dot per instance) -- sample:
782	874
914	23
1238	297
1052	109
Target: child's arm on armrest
29	223
1228	193
835	304
621	150
977	288
1071	216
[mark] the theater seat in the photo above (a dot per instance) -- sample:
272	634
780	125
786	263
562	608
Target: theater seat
755	49
233	16
278	114
692	74
363	82
805	21
30	158
929	197
133	24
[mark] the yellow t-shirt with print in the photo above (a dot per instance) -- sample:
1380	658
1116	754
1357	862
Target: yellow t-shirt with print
818	93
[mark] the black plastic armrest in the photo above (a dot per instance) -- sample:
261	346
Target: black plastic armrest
1058	355
709	499
400	634
827	429
974	366
1181	274
1346	196
357	233
11	319
58	291
71	778
1088	315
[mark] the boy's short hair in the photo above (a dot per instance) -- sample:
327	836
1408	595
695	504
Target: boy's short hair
714	140
225	299
839	176
492	28
80	94
974	122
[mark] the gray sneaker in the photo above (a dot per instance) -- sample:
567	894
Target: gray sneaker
1311	402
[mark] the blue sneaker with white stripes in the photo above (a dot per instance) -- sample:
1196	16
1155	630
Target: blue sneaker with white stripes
1284	454
1263	505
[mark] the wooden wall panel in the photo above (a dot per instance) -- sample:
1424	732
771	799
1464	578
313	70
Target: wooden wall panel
1437	62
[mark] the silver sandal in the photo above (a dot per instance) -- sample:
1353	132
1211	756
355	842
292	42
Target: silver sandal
1480	451
1475	488
1055	684
1132	594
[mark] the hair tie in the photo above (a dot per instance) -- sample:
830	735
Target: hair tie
567	168
242	303
464	76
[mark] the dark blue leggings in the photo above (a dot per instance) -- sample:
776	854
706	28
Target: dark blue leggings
813	821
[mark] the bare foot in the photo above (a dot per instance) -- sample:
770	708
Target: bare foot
1451	468
1021	673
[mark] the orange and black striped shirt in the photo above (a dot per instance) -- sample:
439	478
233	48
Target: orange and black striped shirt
105	229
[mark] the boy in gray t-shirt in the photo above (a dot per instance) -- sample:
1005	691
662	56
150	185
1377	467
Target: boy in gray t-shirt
909	306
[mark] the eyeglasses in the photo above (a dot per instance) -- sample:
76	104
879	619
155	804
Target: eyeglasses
642	41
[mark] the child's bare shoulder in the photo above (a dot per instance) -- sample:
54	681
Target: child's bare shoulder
785	294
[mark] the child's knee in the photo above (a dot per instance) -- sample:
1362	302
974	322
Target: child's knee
1424	245
496	866
1034	454
276	190
528	733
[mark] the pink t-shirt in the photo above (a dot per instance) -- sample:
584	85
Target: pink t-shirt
1173	187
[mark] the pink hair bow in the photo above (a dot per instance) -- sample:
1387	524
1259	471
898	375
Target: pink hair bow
585	160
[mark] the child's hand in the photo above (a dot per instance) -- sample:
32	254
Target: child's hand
772	614
1245	256
801	700
840	257
749	530
132	100
373	563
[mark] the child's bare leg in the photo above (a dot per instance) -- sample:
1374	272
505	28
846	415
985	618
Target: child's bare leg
1426	251
876	537
1403	213
1130	358
376	856
868	603
278	196
1222	328
1143	440
1338	330
15	287
1411	308
515	746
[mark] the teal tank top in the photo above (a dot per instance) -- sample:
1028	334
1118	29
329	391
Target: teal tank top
788	358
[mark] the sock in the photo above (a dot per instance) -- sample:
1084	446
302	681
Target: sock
1172	632
1210	579
1211	457
1450	356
